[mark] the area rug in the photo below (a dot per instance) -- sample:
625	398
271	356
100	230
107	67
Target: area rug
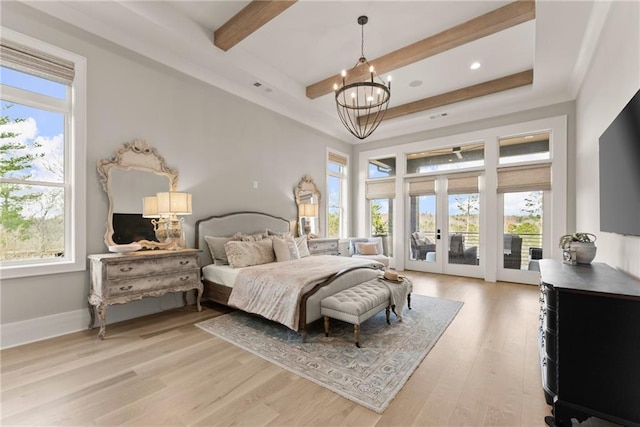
370	376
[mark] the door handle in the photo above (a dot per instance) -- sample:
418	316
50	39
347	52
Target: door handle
438	234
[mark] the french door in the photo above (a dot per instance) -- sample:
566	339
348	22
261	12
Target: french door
443	221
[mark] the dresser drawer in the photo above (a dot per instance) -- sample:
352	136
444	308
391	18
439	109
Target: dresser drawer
169	279
328	247
139	266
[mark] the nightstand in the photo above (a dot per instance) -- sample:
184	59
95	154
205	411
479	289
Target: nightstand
118	278
326	246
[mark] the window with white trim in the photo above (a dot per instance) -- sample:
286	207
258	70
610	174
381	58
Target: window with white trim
337	179
42	158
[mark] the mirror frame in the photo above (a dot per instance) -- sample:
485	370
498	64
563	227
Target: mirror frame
307	185
136	155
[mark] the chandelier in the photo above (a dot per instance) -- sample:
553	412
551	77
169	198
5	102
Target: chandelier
361	105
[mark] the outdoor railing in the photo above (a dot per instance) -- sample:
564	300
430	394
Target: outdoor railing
473	239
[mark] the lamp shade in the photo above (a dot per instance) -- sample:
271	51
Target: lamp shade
150	207
174	203
308	210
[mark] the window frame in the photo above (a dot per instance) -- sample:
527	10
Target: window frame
74	163
344	186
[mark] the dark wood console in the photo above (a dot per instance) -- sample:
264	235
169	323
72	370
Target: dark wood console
589	340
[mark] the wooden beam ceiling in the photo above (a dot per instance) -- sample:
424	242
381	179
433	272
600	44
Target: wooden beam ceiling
253	16
486	88
492	22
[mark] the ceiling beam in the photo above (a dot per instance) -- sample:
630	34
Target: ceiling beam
490	23
253	16
512	81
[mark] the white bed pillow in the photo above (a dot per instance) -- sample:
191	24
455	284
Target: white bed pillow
303	247
285	249
246	254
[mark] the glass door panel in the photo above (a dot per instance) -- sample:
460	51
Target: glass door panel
523	236
464	229
423	228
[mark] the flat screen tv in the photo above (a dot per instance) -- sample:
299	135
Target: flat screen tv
129	228
620	172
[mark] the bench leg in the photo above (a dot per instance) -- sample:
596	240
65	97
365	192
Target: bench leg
326	326
409	300
386	312
356	333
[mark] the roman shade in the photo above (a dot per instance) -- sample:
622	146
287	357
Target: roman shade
381	189
524	178
32	61
462	184
337	159
420	187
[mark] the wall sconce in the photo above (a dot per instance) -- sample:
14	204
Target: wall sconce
171	204
306	211
150	210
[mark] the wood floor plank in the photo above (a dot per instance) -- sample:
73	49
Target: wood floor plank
162	370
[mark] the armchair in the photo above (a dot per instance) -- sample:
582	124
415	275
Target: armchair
458	254
419	248
512	251
377	254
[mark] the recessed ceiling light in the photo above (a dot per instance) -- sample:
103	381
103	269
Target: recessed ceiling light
475	65
415	83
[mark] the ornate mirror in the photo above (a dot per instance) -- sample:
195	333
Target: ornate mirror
308	201
135	172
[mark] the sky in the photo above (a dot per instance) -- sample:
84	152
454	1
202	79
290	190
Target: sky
39	127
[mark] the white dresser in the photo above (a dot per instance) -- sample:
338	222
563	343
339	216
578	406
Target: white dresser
118	279
326	246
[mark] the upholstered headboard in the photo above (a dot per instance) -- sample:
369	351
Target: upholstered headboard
231	223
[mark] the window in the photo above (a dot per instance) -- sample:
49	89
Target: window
524	148
337	190
380	194
382	168
523	222
42	213
445	159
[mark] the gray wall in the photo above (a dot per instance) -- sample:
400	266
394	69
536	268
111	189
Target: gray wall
219	144
612	79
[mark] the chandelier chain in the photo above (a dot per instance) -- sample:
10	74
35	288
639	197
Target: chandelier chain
362	40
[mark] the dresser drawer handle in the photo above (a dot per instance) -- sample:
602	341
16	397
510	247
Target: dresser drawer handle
185	278
126	288
184	262
125	269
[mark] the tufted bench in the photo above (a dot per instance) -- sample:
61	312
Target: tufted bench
355	305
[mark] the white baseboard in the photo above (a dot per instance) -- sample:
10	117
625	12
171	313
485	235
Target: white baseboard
27	331
40	328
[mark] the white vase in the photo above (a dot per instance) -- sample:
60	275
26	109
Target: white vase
585	252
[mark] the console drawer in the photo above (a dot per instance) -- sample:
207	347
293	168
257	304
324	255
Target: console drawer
152	283
138	266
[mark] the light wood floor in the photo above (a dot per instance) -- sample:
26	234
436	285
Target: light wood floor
161	370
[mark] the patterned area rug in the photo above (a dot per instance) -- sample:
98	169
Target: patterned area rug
370	376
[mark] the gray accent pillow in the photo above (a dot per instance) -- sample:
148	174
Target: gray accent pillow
216	247
254	237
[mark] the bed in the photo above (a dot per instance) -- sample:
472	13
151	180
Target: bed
219	280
